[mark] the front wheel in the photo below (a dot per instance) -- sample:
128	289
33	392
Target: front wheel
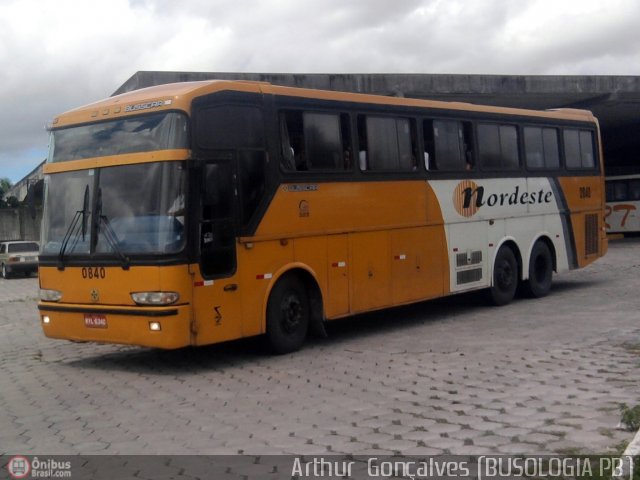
5	273
505	277
287	315
540	271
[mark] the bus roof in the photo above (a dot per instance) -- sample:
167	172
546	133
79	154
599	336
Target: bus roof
178	96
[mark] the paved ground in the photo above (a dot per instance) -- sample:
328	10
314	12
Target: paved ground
446	376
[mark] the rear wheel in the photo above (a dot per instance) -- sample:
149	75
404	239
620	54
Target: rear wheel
287	315
540	271
505	277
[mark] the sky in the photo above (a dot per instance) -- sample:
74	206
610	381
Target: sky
56	55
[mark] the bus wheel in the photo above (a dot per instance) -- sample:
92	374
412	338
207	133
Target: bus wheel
540	271
287	315
505	277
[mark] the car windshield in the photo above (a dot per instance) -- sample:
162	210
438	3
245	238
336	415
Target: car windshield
115	211
23	247
144	133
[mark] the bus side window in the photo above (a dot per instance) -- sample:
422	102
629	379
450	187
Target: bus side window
620	191
387	143
292	141
579	149
252	165
541	148
315	141
448	145
498	146
362	143
323	141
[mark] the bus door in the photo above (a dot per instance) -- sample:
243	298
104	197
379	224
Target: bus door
229	144
216	295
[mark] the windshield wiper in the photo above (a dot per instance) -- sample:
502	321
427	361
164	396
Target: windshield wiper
76	229
109	234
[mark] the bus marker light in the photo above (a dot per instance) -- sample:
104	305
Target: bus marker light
339	264
46	320
203	283
400	257
155	326
264	276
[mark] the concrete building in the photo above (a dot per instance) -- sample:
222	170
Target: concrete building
615	100
31	183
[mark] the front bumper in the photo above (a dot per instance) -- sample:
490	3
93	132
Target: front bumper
21	267
116	324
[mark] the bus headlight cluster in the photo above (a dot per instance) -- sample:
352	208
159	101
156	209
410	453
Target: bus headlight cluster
155	298
50	295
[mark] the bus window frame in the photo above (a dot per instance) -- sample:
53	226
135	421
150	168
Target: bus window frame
500	170
344	120
595	148
544	170
467	124
414	138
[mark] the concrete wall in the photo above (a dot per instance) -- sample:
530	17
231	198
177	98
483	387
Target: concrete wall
17	224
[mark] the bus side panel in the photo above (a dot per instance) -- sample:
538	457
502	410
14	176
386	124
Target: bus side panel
371	270
217	309
585	200
321	208
417	258
336	302
260	263
623	217
312	253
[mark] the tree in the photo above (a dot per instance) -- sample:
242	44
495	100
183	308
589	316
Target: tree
5	185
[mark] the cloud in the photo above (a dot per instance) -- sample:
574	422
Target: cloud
58	55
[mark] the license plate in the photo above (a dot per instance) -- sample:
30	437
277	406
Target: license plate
94	320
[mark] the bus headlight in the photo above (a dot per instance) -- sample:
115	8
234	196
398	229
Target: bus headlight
155	298
50	295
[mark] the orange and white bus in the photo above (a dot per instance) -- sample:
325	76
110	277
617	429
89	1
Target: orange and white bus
622	214
201	212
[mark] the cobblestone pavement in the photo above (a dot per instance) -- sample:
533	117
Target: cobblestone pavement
451	375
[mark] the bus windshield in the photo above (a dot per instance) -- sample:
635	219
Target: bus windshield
116	211
159	131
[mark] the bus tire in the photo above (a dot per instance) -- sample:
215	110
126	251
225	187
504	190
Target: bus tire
288	315
540	271
505	277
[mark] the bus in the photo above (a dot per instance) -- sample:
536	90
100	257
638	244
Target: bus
200	212
622	210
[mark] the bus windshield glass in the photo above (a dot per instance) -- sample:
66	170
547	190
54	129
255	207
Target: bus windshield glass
145	133
125	210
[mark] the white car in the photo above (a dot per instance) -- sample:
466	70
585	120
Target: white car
18	256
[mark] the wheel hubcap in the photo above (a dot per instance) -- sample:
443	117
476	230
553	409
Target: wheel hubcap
505	276
291	309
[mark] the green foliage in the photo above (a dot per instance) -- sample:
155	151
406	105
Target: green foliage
630	417
5	185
